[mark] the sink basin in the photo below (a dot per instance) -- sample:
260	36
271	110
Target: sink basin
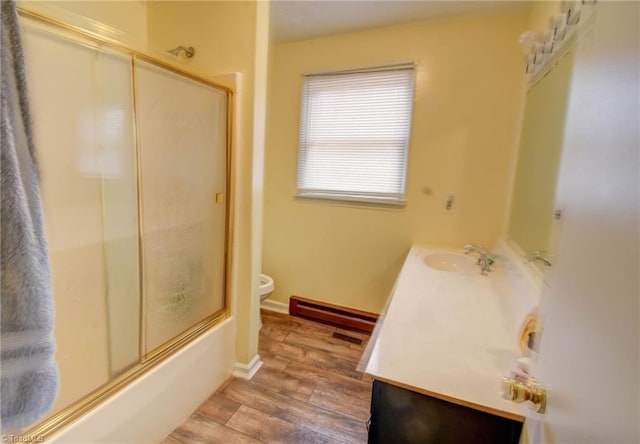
449	261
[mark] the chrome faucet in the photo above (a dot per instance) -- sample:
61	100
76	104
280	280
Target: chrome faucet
539	256
485	259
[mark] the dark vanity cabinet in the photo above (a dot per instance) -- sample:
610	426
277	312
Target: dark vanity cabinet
400	416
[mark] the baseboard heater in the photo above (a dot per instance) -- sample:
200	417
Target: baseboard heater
345	317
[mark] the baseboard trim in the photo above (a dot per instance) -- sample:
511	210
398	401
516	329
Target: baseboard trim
338	315
246	371
278	307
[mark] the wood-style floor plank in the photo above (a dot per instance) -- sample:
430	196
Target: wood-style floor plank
307	391
325	361
196	430
218	408
276	348
291	323
171	440
351	387
270	429
337	426
273	362
364	337
340	403
333	347
290	385
274	332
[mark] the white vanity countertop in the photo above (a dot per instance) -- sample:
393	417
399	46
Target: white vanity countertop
453	335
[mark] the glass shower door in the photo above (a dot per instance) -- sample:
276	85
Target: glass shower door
133	161
82	108
182	158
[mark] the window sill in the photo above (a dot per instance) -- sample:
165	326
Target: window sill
360	201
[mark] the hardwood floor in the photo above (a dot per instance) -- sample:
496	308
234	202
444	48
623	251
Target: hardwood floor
308	391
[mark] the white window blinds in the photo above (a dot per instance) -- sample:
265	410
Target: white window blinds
354	134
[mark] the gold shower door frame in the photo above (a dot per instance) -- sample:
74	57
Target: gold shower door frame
147	361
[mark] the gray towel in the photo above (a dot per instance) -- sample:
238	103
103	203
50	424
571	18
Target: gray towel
28	373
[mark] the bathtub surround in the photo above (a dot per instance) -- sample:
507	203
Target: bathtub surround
166	395
469	93
29	376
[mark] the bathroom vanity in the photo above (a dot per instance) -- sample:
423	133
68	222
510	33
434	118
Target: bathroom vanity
400	415
447	337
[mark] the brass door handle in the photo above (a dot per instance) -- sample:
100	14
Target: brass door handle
531	390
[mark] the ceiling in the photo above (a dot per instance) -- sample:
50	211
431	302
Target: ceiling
304	19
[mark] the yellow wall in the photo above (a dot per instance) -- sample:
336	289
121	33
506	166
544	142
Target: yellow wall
224	34
540	12
468	100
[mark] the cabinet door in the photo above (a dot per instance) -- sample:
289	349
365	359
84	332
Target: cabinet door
401	416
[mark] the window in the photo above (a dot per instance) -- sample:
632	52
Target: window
354	134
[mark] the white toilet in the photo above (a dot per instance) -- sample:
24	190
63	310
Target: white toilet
266	288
